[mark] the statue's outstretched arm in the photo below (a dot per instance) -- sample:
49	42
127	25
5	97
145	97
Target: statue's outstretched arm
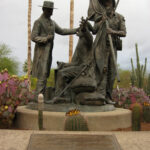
63	31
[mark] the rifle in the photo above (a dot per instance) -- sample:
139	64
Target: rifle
83	70
109	36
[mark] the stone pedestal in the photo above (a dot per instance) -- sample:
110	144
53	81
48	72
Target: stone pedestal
54	121
73	142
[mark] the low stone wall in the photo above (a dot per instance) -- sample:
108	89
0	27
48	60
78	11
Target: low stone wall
54	121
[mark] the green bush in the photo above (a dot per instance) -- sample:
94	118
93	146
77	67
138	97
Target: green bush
13	92
7	61
50	80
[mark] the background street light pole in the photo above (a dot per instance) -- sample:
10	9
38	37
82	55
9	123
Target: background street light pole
71	27
29	40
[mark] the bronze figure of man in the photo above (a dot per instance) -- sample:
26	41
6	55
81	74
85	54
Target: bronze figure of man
105	68
43	35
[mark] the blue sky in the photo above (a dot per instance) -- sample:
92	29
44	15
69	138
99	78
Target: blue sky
13	27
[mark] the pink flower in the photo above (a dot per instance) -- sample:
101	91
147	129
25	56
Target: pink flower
133	99
10	109
1	77
5	76
3	88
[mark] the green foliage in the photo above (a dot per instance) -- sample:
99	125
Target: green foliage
136	117
4	51
138	74
124	78
50	80
6	61
25	66
147	87
76	123
146	112
33	83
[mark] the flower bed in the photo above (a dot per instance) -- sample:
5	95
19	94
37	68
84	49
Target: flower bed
125	98
13	92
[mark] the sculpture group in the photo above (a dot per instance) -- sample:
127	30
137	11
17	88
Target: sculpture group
89	78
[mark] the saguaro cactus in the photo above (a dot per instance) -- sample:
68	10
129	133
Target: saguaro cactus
148	86
40	111
136	117
138	74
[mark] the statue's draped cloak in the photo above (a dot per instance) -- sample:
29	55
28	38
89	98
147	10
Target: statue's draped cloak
100	41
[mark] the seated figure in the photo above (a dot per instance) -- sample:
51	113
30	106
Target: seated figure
83	56
79	75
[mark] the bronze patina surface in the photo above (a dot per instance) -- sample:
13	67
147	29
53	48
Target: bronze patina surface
67	107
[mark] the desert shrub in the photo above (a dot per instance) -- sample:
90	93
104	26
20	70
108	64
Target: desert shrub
50	80
126	97
13	92
125	79
8	61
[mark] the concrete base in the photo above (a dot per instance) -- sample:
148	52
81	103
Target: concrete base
19	139
73	142
54	121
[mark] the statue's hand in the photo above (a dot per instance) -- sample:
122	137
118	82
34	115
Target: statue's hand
83	24
110	31
44	40
50	37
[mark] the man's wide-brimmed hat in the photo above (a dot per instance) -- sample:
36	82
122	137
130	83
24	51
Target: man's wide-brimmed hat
48	4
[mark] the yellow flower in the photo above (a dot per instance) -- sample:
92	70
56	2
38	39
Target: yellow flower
6	107
14	76
6	69
73	112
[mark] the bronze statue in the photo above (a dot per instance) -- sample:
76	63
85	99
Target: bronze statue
78	75
109	26
89	78
43	35
102	12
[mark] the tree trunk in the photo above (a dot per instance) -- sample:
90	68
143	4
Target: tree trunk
29	41
71	27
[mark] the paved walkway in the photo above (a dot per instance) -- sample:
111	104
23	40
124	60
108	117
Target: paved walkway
18	140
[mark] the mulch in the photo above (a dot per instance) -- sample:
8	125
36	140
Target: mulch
144	127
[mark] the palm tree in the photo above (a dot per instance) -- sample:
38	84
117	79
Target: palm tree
71	27
29	39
